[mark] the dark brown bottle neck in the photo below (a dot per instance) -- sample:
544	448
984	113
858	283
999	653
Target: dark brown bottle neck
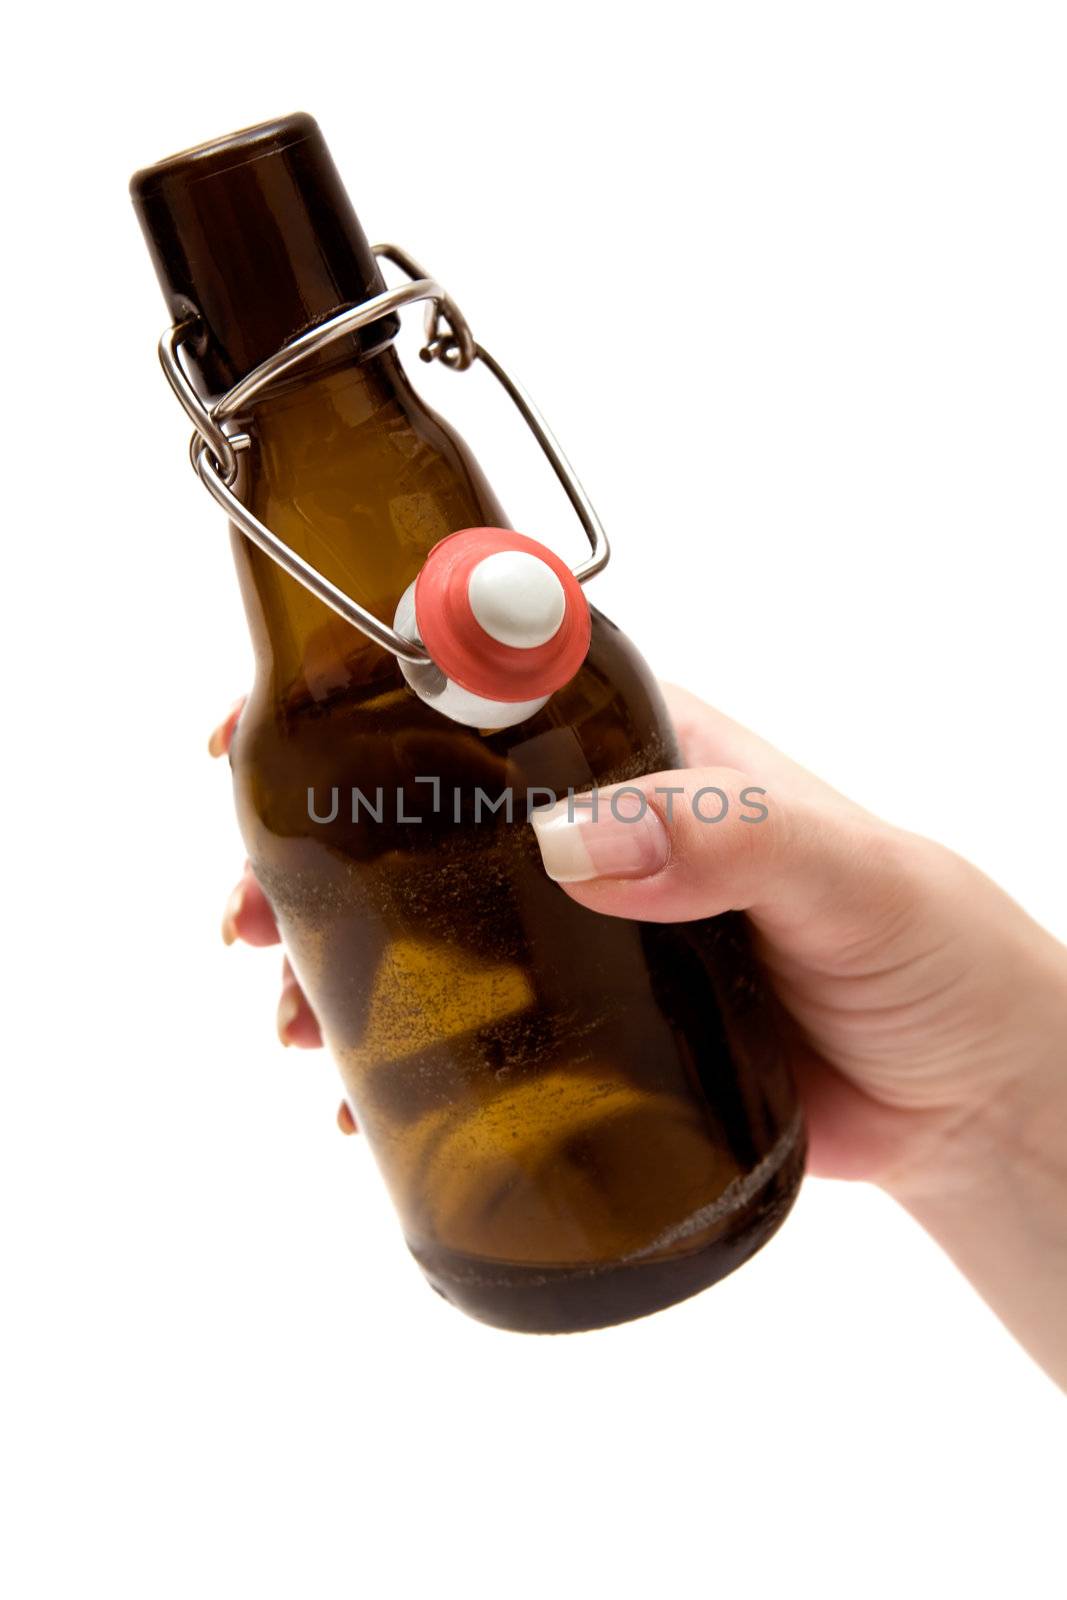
254	237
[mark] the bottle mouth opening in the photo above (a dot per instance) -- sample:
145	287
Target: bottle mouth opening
218	156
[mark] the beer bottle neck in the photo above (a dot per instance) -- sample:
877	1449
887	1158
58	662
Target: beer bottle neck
321	475
255	241
359	476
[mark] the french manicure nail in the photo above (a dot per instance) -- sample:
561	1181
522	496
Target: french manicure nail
233	910
288	1011
622	838
219	742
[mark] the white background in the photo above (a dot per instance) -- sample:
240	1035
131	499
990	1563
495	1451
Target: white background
791	283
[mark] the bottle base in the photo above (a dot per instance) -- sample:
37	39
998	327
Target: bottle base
534	1299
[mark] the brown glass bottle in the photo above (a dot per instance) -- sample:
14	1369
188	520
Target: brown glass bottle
580	1119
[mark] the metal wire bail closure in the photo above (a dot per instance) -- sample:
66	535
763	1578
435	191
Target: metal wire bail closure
216	444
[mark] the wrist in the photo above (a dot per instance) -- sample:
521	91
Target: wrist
991	1189
1009	1123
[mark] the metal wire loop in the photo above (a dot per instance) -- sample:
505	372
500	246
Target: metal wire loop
447	332
209	431
214	448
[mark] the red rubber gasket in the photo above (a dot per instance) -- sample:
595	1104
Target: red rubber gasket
460	646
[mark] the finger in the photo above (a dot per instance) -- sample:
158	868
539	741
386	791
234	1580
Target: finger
676	846
851	1133
248	915
709	738
297	1023
222	736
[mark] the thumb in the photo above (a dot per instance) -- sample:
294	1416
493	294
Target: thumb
675	846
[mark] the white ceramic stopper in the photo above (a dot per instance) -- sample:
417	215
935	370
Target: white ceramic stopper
517	599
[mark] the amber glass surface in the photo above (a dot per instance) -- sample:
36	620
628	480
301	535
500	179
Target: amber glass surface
580	1119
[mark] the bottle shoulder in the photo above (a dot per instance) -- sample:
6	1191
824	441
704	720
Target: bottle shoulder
362	436
608	724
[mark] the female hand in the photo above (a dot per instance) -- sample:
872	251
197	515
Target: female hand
932	1011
